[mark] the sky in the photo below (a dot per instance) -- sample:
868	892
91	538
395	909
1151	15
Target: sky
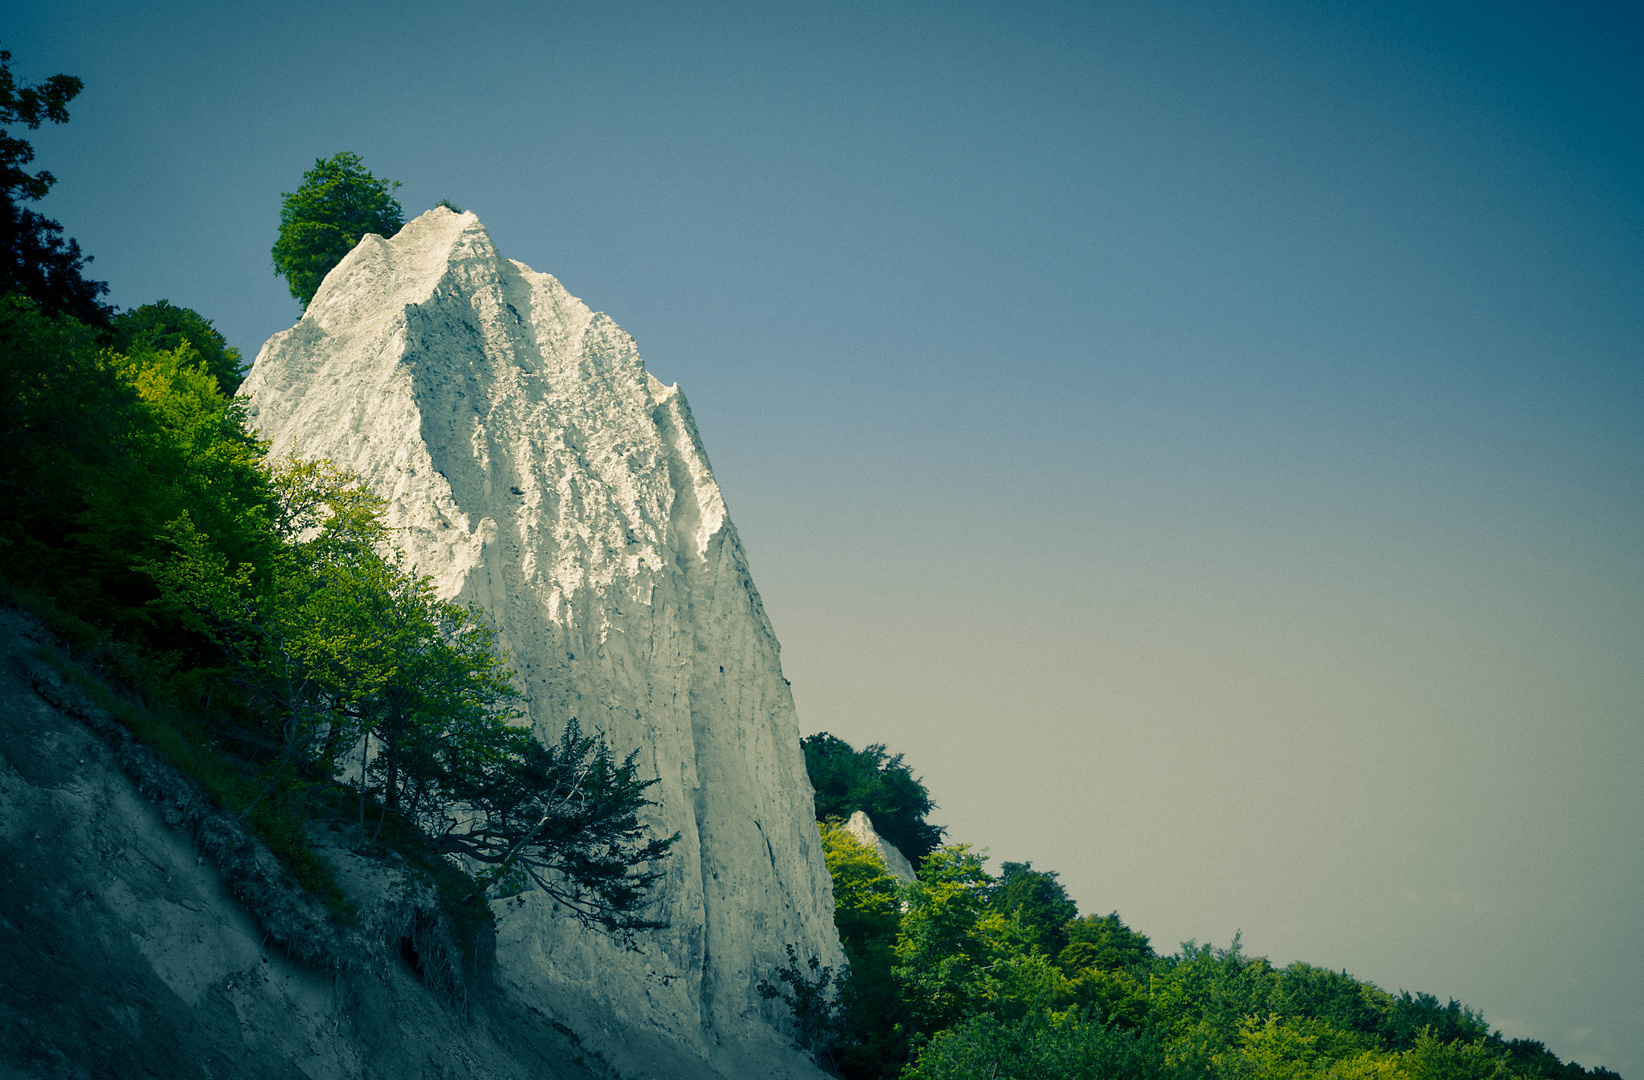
1207	439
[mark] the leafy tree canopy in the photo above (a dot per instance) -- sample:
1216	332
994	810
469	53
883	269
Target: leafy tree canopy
1039	901
160	327
1104	942
338	202
36	260
867	899
957	955
1068	1046
847	780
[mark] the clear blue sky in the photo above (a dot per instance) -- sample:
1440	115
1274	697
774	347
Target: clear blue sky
1207	439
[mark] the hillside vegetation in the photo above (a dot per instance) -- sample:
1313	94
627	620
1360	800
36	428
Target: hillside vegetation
968	975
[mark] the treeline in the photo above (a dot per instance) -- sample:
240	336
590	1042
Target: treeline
265	633
966	975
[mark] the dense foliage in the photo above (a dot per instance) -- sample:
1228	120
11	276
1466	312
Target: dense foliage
847	780
338	202
964	975
160	327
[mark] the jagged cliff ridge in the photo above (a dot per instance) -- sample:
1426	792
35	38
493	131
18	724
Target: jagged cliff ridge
535	468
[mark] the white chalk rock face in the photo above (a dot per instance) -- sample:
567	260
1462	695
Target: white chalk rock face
861	827
534	467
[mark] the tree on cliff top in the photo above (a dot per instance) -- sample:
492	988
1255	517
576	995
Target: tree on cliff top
338	202
36	260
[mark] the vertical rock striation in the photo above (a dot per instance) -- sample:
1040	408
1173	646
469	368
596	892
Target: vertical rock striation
534	467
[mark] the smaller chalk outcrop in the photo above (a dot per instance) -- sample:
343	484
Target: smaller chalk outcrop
861	827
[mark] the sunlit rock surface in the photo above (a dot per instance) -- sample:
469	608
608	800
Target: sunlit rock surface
861	827
534	468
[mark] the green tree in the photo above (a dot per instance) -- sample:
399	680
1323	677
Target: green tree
1337	997
565	817
942	949
1104	942
847	780
866	898
956	955
867	912
1067	1046
160	327
1412	1014
103	450
65	418
36	260
1433	1058
338	202
1039	900
366	676
187	450
814	1001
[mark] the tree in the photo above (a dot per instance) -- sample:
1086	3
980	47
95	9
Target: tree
1102	941
866	898
867	912
1039	900
65	419
941	957
956	955
564	817
847	780
366	676
159	327
814	1002
36	260
187	450
1066	1046
338	202
1434	1058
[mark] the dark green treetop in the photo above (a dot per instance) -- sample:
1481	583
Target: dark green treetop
1039	900
159	327
338	202
1105	942
847	780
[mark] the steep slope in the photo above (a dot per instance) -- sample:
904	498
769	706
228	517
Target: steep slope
536	469
127	948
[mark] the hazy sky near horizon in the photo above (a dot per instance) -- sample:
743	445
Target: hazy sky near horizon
1207	439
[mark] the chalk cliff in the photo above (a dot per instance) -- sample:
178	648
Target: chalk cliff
861	827
534	468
